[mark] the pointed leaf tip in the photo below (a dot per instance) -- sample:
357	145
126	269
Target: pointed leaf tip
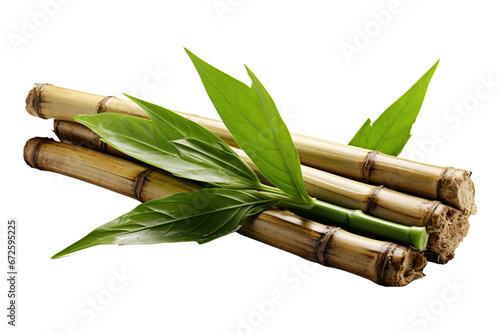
391	130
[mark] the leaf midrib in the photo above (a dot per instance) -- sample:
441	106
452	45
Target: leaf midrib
291	175
103	130
216	158
177	220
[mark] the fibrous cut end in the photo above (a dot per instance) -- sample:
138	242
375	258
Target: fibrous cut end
33	100
447	230
403	265
456	188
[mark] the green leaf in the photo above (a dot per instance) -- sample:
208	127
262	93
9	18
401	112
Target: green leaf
391	130
173	126
200	216
188	158
177	129
251	116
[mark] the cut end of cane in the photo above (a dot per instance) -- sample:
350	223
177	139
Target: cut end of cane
31	148
448	228
403	265
419	237
34	98
456	188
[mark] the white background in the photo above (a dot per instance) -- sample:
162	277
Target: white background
295	48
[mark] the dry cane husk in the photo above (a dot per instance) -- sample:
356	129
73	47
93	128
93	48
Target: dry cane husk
385	263
447	184
447	226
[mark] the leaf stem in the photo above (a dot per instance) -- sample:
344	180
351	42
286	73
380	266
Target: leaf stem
358	221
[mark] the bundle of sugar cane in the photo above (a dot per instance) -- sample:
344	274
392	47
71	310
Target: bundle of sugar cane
447	226
384	263
449	185
263	168
200	155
